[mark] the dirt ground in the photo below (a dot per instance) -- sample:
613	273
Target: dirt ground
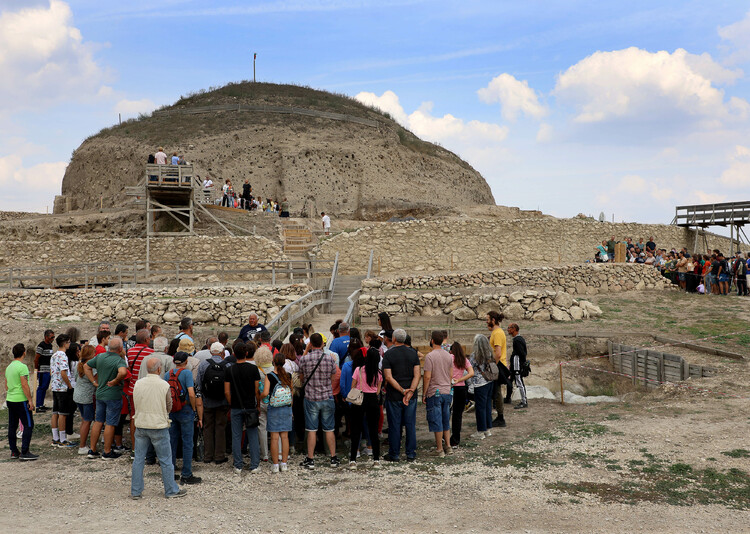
668	459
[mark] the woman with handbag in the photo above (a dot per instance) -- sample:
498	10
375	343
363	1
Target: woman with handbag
363	396
481	384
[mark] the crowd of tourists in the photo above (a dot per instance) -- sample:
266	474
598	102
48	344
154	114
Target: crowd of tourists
244	402
712	273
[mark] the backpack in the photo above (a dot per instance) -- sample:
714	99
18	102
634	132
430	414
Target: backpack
281	395
213	381
525	368
175	390
491	372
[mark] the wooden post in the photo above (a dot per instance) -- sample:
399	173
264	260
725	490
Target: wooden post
51	277
223	279
562	387
634	365
86	276
177	272
273	273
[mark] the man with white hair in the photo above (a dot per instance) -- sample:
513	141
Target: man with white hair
251	328
160	347
104	326
210	386
153	402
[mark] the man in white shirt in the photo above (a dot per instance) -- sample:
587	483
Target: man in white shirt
160	157
326	223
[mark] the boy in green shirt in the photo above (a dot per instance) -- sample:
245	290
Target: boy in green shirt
20	405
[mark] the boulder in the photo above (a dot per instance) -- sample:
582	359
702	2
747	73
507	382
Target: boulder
558	315
563	300
514	311
591	309
464	314
576	313
541	315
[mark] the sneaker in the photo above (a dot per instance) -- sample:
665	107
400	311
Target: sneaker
352	465
520	406
487	433
284	467
83	451
507	400
28	457
15	455
469	407
119	448
136	497
19	434
55	442
255	471
222	461
74	436
376	464
110	455
368	451
449	451
335	462
478	435
180	493
389	458
358	454
66	444
308	463
92	455
176	477
274	468
41	409
237	471
192	479
411	459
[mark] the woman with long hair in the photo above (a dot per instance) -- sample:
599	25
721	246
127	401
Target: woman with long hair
384	321
279	422
480	359
462	371
308	330
83	396
368	379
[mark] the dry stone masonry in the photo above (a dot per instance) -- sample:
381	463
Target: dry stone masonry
583	279
228	305
486	244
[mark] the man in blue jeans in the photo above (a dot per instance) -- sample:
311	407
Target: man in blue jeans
184	419
242	391
44	353
316	369
402	372
152	402
437	393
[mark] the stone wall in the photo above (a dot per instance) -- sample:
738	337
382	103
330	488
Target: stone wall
486	244
113	251
228	305
583	279
535	305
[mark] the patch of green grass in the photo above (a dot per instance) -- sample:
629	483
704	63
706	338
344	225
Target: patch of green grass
737	453
613	417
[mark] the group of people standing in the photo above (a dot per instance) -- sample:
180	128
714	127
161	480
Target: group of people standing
253	393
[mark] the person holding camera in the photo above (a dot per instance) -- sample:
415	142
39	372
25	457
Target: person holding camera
518	362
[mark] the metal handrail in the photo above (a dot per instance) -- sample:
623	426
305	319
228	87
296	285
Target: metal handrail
334	274
353	303
286	325
369	264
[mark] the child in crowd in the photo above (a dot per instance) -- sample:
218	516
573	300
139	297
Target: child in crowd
279	422
83	396
60	381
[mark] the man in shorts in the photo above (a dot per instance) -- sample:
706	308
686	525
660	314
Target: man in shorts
315	373
438	374
111	372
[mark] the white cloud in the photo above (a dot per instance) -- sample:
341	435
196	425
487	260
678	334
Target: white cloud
738	173
29	187
738	35
545	133
452	132
632	184
708	198
635	83
43	58
514	96
134	107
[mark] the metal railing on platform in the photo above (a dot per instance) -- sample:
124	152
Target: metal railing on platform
178	272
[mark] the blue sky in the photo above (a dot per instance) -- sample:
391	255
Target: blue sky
629	108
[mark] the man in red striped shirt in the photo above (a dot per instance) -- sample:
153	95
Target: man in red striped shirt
136	356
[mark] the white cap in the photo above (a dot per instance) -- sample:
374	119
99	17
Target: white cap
217	348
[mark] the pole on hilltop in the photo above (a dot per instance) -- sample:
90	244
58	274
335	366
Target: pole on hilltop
255	56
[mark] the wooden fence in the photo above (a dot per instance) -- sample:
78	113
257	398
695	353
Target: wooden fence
652	366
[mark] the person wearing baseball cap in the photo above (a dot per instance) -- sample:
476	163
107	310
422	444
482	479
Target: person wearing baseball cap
210	385
181	427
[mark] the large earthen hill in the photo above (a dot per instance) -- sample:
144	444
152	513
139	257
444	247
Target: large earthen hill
322	151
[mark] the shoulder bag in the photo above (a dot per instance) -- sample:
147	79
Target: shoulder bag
355	395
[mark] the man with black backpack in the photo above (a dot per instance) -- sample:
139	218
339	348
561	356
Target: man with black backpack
215	407
518	363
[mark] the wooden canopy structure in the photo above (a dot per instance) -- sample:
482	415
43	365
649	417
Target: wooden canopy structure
735	215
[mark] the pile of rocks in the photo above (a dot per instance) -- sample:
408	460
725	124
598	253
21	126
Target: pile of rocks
590	278
535	305
228	305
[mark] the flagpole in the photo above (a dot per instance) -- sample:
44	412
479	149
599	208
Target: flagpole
255	55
